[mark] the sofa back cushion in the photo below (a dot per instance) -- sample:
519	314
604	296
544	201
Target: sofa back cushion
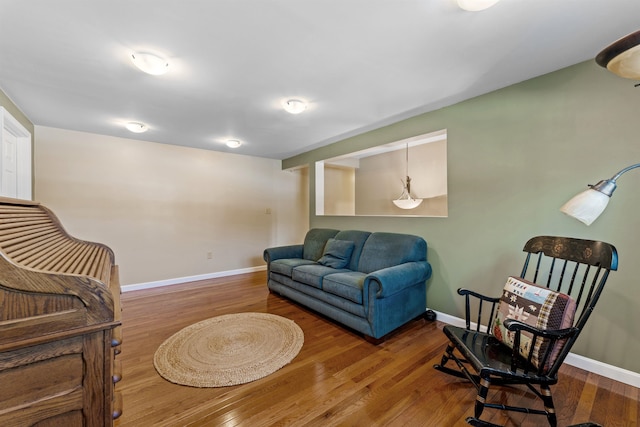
358	238
382	250
314	242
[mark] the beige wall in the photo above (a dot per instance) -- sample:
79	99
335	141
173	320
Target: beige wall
163	208
339	190
514	157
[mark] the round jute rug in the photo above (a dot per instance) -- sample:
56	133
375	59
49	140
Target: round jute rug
228	350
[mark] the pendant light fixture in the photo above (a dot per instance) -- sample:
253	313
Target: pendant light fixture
406	200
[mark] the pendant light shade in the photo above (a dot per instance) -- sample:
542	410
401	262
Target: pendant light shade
406	201
622	57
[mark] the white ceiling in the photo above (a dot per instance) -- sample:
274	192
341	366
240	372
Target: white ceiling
361	64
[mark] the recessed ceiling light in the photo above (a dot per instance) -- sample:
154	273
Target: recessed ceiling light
233	143
476	5
136	127
150	63
294	106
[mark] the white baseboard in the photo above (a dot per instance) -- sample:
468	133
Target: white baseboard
179	280
590	365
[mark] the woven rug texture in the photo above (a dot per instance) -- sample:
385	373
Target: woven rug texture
228	350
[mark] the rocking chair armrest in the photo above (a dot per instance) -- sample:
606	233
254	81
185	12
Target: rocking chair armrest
553	334
464	292
475	316
548	363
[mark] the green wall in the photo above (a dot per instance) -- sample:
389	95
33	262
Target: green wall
514	157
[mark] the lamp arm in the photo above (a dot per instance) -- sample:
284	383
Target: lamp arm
608	186
627	169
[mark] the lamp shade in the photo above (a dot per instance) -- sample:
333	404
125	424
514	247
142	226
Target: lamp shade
622	57
586	206
408	203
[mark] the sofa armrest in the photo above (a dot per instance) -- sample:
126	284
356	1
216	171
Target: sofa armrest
281	252
391	280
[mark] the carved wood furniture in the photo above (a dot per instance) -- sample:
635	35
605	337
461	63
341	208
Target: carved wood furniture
59	323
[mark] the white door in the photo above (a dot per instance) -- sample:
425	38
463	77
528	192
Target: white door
15	158
8	177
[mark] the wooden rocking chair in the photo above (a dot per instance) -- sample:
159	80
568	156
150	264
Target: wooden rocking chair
526	339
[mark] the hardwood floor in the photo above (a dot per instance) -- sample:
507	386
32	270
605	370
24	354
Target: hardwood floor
338	378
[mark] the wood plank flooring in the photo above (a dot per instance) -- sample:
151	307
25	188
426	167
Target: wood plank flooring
337	379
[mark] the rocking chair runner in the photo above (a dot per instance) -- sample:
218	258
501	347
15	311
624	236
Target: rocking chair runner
565	267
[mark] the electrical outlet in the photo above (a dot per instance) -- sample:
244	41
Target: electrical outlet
209	255
267	211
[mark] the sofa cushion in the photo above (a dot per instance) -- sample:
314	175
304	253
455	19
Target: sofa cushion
314	242
286	265
383	250
358	238
312	274
347	285
537	306
337	253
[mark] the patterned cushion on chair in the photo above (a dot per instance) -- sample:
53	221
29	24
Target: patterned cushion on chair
536	306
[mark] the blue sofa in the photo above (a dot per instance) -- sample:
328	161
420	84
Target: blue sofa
370	282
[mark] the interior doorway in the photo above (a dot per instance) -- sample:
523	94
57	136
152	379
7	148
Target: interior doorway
15	161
